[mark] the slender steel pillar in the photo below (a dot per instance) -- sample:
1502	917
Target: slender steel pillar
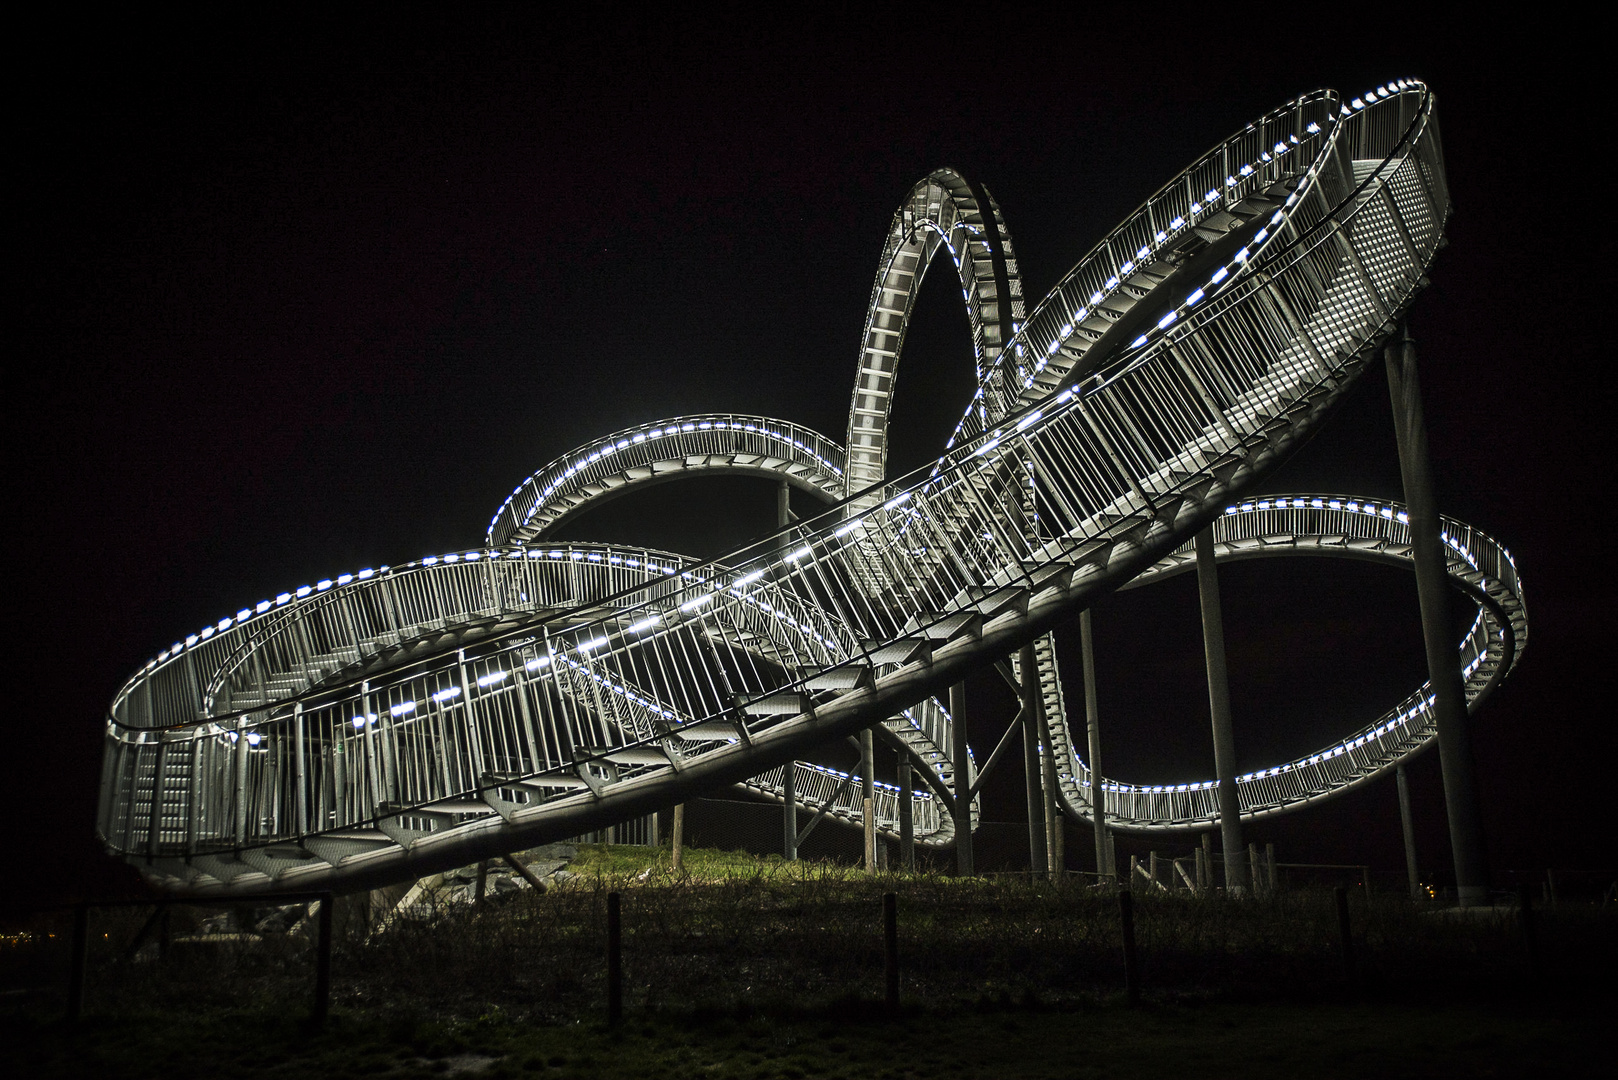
907	820
1213	644
868	797
1038	858
789	811
1432	590
789	787
1055	836
1092	717
1409	825
963	780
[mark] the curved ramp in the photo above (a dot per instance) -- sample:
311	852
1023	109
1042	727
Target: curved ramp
385	725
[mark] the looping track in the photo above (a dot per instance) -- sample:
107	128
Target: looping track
389	723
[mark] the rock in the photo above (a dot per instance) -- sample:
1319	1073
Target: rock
562	853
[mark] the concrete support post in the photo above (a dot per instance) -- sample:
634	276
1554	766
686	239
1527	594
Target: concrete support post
789	811
963	781
868	798
1213	643
1033	771
1432	589
907	818
1092	716
1409	825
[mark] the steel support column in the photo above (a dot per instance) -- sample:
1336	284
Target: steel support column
789	811
1038	857
1409	826
868	798
907	818
1213	644
963	780
1055	840
1432	590
789	788
1092	718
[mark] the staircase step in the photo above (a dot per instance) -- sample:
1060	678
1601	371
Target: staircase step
708	731
1000	601
901	651
635	755
959	625
774	704
847	677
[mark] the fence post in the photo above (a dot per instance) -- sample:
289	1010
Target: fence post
1525	914
323	925
677	839
76	963
1126	918
890	934
615	972
1345	931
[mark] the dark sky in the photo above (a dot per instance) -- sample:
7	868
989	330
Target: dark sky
294	298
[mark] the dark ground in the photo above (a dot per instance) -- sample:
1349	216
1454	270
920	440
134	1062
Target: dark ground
752	968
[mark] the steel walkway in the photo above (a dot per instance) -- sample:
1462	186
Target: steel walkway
391	723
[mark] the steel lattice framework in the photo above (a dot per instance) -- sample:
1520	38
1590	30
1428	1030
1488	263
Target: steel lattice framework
389	723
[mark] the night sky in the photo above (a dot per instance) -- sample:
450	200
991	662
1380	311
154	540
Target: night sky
296	298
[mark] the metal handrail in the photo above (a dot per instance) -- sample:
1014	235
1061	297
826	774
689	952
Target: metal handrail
1331	526
814	461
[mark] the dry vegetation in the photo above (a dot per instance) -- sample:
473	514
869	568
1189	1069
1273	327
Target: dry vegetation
740	949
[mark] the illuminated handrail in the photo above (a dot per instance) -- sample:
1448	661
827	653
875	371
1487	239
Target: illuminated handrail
1334	526
791	451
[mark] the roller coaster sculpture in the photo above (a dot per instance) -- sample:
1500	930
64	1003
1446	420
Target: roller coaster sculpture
391	723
